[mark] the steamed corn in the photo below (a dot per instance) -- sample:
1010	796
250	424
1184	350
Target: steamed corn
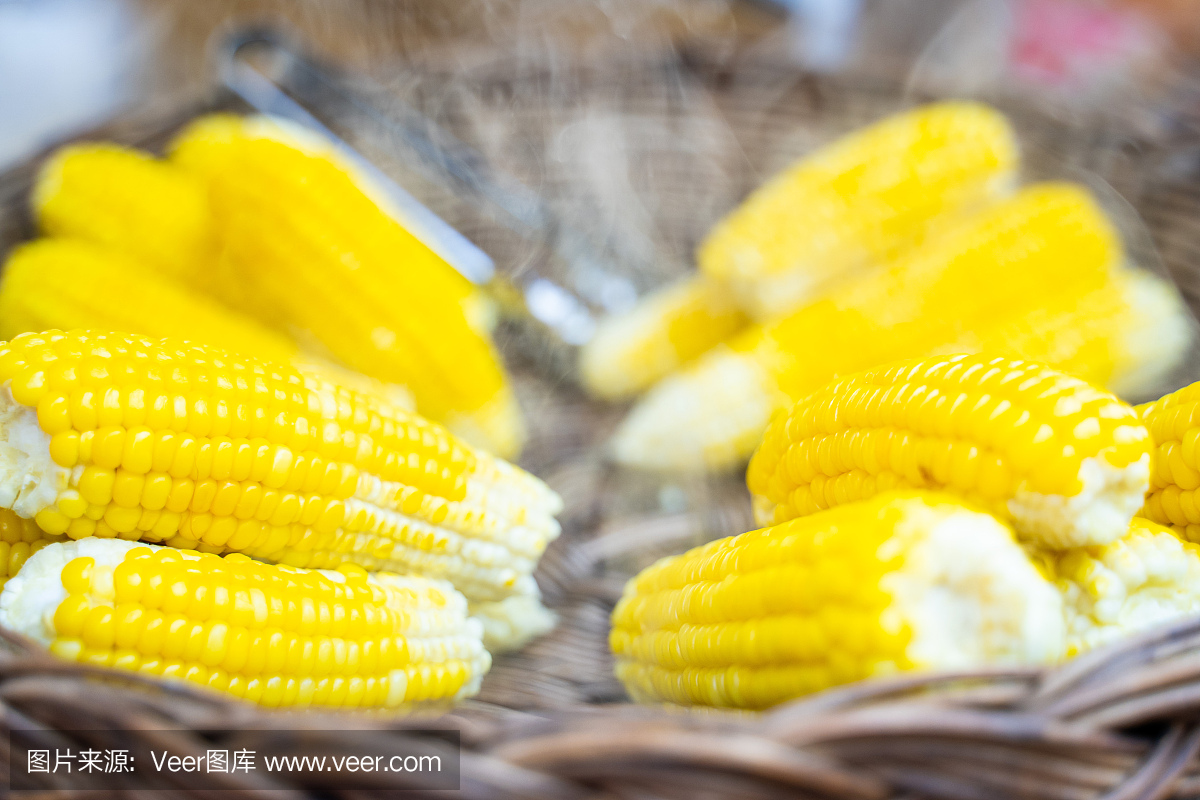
119	436
309	245
1038	276
125	199
1174	425
277	636
859	202
1065	462
666	330
1147	577
73	283
900	582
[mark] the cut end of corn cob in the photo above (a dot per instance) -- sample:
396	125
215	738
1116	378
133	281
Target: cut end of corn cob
274	635
861	201
666	330
903	581
706	418
30	480
119	436
127	200
1066	462
1147	577
311	245
513	622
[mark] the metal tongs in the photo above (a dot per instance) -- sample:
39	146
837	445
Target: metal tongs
273	77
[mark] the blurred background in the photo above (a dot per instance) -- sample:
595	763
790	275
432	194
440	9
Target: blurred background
67	64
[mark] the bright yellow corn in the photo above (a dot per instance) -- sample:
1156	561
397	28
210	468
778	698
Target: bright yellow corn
277	636
861	202
1066	462
115	435
1174	425
1147	577
19	539
667	329
900	582
128	200
74	283
71	283
310	245
1035	277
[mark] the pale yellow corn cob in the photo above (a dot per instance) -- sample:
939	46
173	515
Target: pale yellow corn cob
861	202
1066	462
72	283
666	330
310	246
904	581
273	635
128	200
1036	277
1148	577
119	436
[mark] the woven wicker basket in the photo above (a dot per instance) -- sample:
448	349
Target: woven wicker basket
551	721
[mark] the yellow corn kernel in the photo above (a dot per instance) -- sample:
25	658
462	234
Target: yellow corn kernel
311	245
666	330
20	539
903	581
1034	277
1066	462
412	626
1148	577
860	202
318	475
127	200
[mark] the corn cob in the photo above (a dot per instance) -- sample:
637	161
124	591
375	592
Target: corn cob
1145	578
19	539
1066	462
1174	424
277	636
119	436
310	245
1035	277
900	582
859	202
669	328
128	200
71	283
1127	335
